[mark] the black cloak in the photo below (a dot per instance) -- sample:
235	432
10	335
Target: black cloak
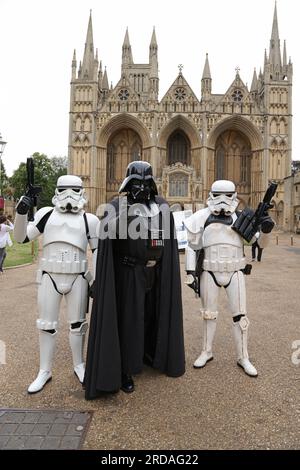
103	364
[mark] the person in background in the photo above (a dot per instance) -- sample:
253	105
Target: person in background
5	227
255	246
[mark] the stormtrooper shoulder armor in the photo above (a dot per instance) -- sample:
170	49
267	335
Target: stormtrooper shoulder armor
25	231
195	226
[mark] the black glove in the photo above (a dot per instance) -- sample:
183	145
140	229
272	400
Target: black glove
267	224
92	290
24	205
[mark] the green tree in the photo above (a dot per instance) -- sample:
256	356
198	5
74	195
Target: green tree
46	172
3	179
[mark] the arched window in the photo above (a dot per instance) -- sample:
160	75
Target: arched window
111	161
123	147
220	163
178	149
178	185
136	152
245	165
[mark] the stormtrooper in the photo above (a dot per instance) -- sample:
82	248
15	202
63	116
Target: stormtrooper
223	264
63	270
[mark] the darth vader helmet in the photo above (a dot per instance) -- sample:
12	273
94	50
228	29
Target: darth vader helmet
139	182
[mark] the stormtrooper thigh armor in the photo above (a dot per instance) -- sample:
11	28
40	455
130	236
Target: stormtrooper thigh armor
52	288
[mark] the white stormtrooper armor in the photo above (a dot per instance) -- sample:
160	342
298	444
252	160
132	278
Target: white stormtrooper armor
210	229
63	270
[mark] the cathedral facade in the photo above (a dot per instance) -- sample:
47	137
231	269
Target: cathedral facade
242	135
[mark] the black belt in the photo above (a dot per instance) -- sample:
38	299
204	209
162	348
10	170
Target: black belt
132	262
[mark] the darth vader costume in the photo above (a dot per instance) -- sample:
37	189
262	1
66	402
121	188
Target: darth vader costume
137	309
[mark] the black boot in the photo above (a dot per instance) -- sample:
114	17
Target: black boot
127	383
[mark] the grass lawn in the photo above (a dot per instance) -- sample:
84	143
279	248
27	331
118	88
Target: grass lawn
20	253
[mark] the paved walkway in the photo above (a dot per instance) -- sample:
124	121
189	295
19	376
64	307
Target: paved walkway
217	407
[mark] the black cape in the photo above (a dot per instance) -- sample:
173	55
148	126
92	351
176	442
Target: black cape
103	364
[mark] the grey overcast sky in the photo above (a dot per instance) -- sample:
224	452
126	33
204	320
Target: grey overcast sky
37	39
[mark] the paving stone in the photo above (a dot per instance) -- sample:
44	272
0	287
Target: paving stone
32	417
24	429
7	429
15	442
58	429
66	418
49	429
47	417
14	417
3	441
41	429
80	418
70	442
74	430
51	442
34	442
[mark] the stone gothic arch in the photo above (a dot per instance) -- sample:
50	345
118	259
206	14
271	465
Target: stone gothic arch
123	147
107	177
235	150
180	126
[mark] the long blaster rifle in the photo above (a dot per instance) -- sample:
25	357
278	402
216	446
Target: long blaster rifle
31	191
248	222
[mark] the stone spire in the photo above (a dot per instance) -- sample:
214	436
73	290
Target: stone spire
284	59
126	51
88	64
206	80
105	85
274	53
74	65
254	85
206	71
153	62
153	45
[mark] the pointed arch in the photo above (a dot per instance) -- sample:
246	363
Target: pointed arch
237	123
178	148
179	122
123	121
273	126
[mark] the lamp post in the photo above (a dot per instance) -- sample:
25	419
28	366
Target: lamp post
2	147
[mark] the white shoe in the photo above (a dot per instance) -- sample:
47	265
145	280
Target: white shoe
79	372
203	359
248	367
38	384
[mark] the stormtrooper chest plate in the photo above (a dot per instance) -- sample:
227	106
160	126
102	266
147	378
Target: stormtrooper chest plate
216	234
67	229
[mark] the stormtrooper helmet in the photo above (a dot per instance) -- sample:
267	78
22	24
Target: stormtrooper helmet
69	194
222	197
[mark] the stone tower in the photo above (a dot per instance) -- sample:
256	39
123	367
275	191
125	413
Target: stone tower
242	135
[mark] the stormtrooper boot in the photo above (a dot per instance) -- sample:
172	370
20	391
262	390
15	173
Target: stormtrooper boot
47	347
76	337
209	329
240	330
